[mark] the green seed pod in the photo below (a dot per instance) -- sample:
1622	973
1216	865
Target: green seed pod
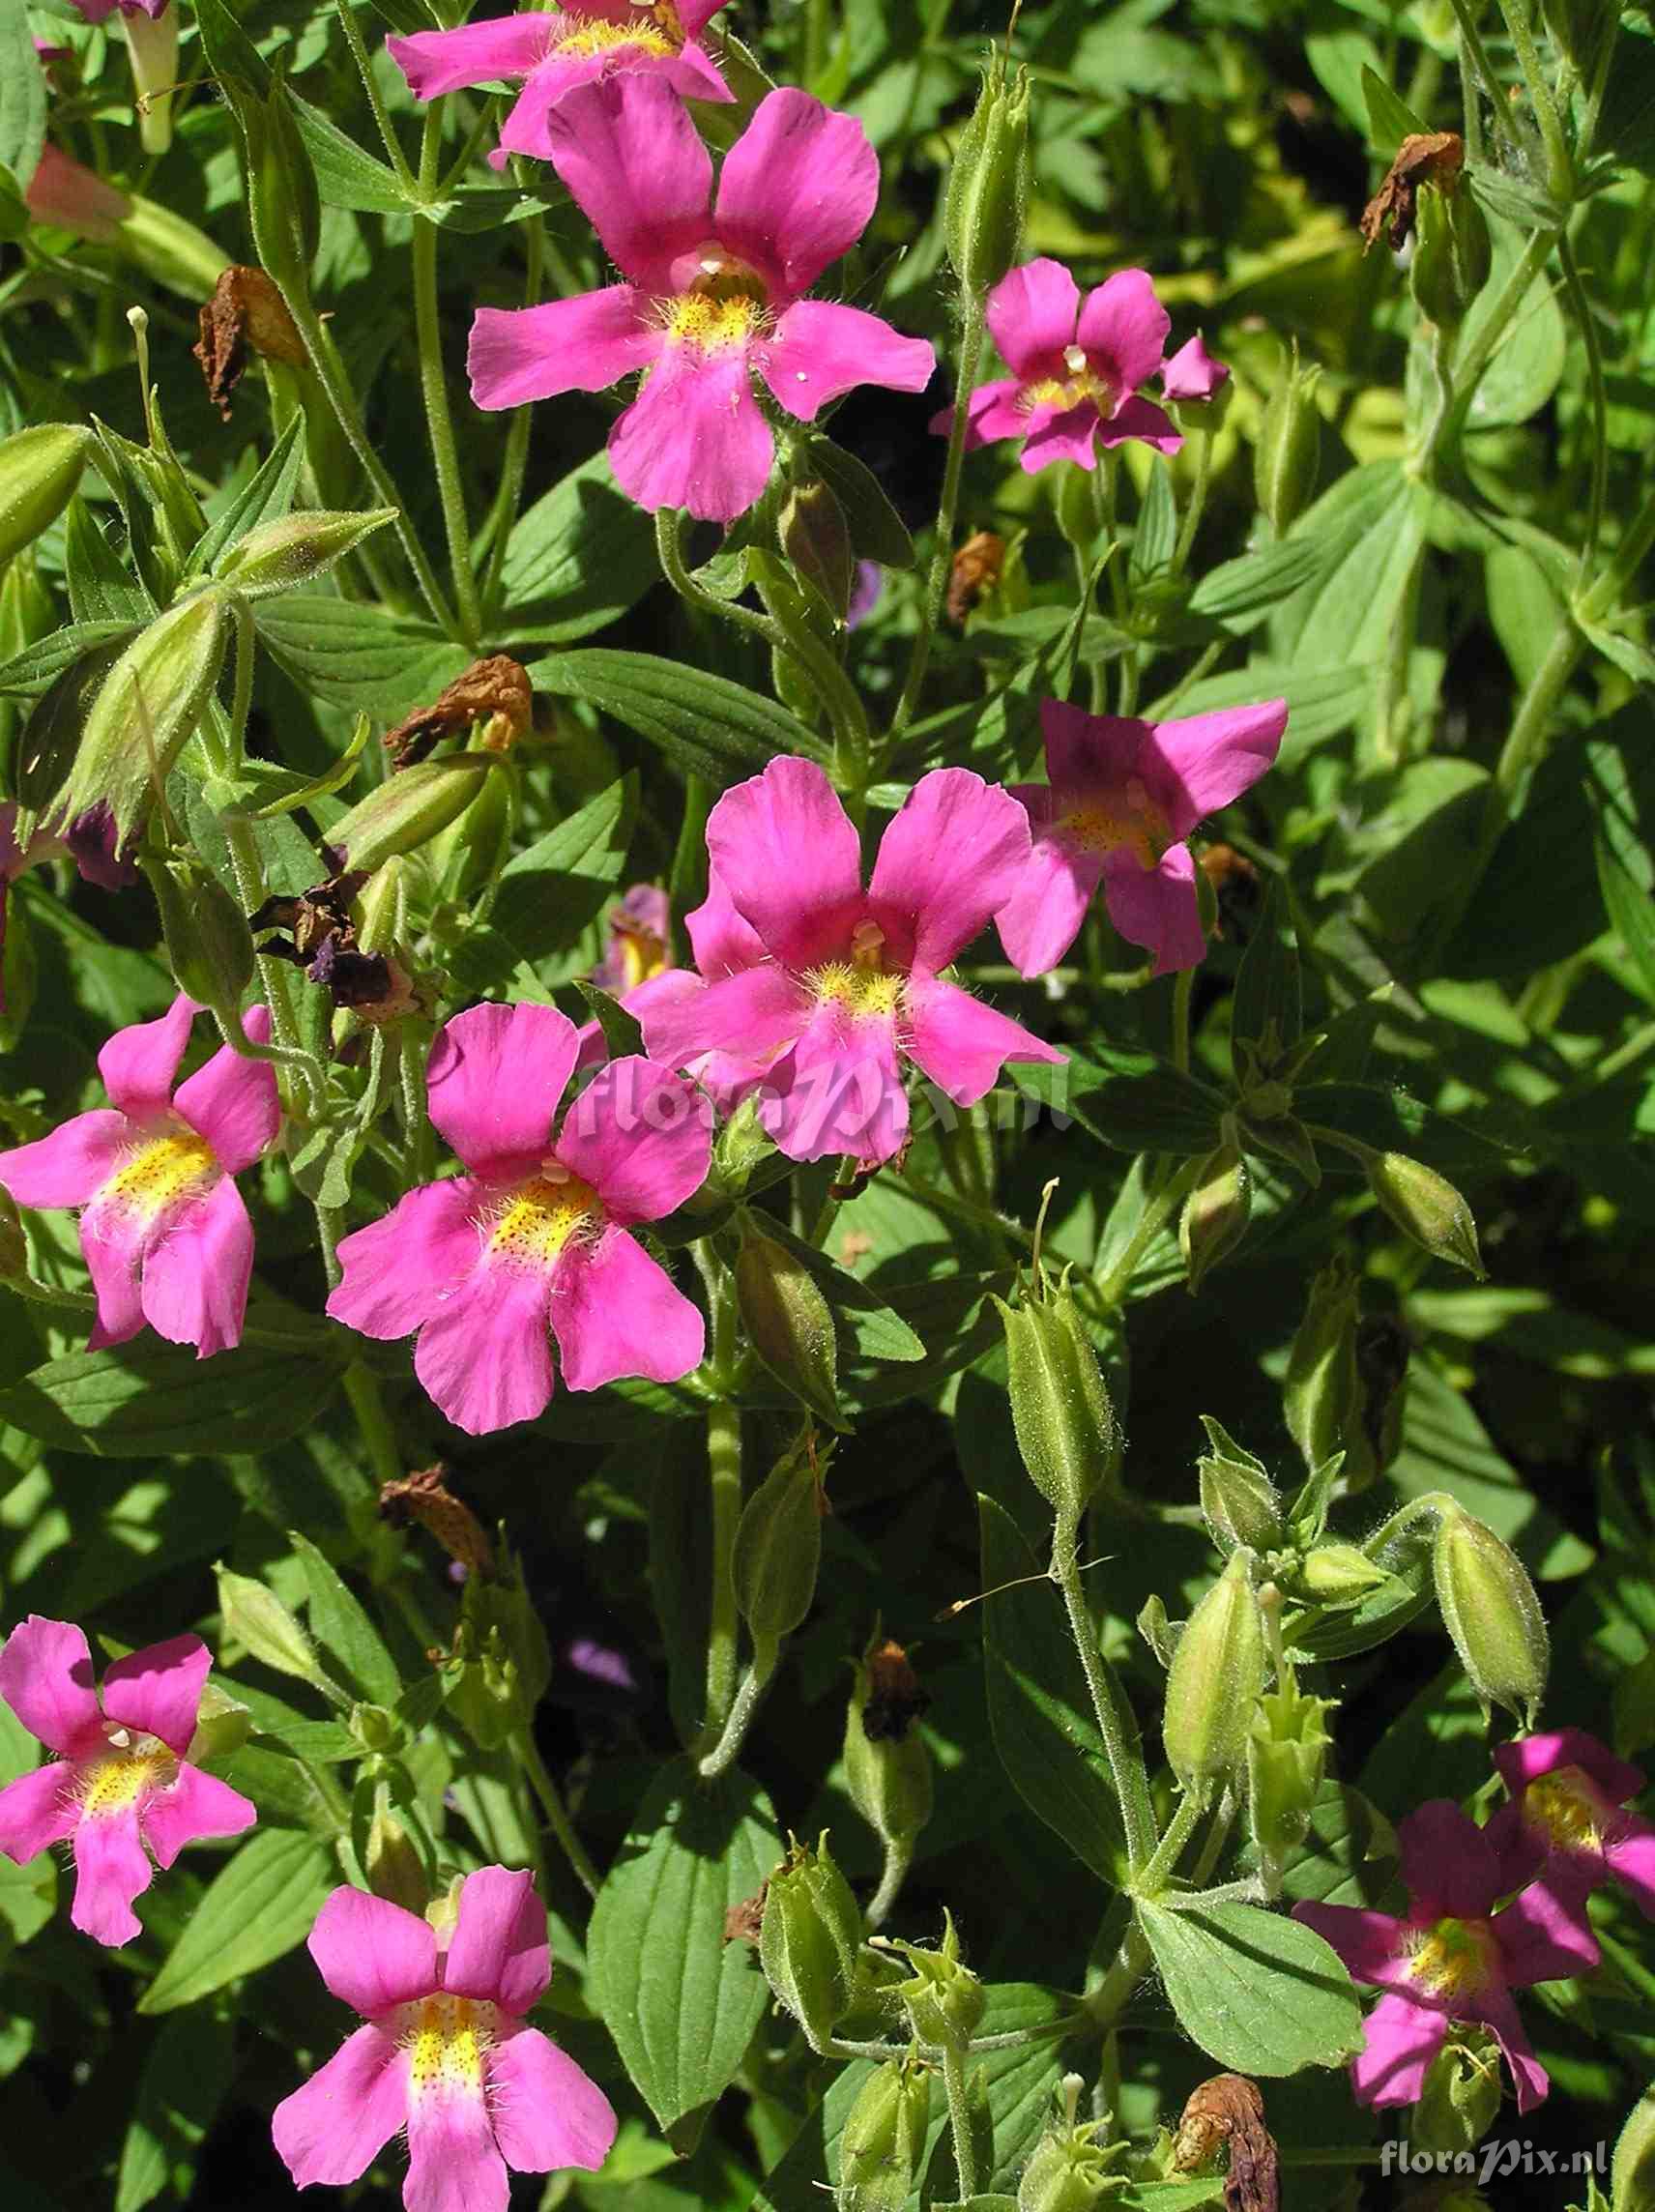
409	809
1069	2169
1066	1431
816	539
40	469
222	1725
1490	1610
1338	1574
778	1548
1632	2174
810	1940
208	945
789	1323
258	1621
505	1661
1239	1499
1287	1753
281	556
884	2139
374	1727
1323	1393
1461	2094
1215	1680
943	1998
1426	1206
887	1768
390	1861
740	1146
1452	254
1288	455
988	182
1217	1213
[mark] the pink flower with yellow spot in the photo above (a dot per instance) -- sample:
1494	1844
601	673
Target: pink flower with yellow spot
713	290
1122	799
121	1790
534	1240
1451	1957
445	2053
163	1230
552	50
1568	1826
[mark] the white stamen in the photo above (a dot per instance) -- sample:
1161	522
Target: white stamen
1074	359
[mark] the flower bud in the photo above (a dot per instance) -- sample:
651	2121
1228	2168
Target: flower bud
816	539
1069	2168
1215	1680
1452	253
1490	1610
943	1998
1337	1574
390	1861
258	1621
988	182
1215	1216
887	1768
740	1146
789	1323
778	1547
1461	2094
151	41
1426	1206
1287	1753
1238	1501
1066	1430
1323	1393
1288	455
408	811
374	1727
40	469
505	1661
222	1725
280	556
810	1940
884	2139
208	945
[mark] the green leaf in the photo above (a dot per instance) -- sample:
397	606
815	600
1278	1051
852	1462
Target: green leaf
680	2002
182	2084
348	654
346	177
1039	1711
38	667
578	558
546	896
1127	1099
622	1034
1157	530
147	1400
1258	1992
1390	119
1267	995
1527	364
1626	870
1369	529
875	1329
22	94
703	724
878	533
262	1903
1321	701
1239	592
342	1628
266	497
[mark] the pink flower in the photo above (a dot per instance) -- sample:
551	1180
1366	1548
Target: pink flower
1567	1828
67	195
535	1236
1075	369
636	967
713	294
555	50
121	1779
848	987
444	2053
89	841
1193	373
162	1228
1452	1957
99	10
1122	800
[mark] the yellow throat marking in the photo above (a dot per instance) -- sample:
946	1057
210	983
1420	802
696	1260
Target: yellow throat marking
656	31
447	2040
540	1217
1082	382
119	1777
161	1172
862	985
1107	823
1454	1957
1560	1804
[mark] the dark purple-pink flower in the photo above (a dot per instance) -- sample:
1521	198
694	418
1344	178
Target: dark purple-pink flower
1122	797
1568	1827
713	293
445	2053
1193	373
555	50
1451	1957
163	1230
121	1790
1075	366
534	1241
849	988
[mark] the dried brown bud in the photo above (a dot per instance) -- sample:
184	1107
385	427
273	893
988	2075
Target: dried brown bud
744	1922
494	692
245	313
1229	2112
1235	882
425	1497
897	1698
1427	158
975	572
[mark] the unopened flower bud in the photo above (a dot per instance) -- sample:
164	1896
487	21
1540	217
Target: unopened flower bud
280	556
1238	1501
1214	1681
1217	1213
505	1661
1069	2169
257	1619
740	1144
1338	1574
1323	1392
374	1727
988	182
390	1861
816	539
884	2139
40	468
1452	255
1066	1431
1490	1610
1461	2094
1287	1753
778	1548
408	810
222	1725
1426	1206
151	41
887	1768
789	1323
1288	455
209	946
943	1998
810	1940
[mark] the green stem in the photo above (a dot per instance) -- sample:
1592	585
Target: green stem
724	1497
515	467
434	388
1198	500
1184	985
1472	41
1560	169
365	70
1170	1848
1156	1214
1599	395
555	1812
247	867
1109	1704
241	705
749	1696
960	2121
898	1858
1126	1970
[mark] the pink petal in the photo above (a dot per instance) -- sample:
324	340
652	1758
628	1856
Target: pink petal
110	1870
723	941
584	344
232	1101
158	1691
1531	1757
1123	329
1043	916
693	74
821	350
1193	373
524	126
195	1275
1521	1851
1053	433
1631	1861
37	1810
789	859
630	157
1144	421
400	1271
335	2127
72	1164
1201	762
1448	1862
372	1955
1084	750
641	1137
1544	1938
138	1064
191	1806
840	1090
46	1677
754	1014
694	437
484	1357
1031	316
64	191
495	1076
454	2161
951	858
1498	2012
547	2113
111	1244
694	14
476	53
1157	908
993	411
616	1312
1370	1944
798	189
1402	2040
962	1046
499	1948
